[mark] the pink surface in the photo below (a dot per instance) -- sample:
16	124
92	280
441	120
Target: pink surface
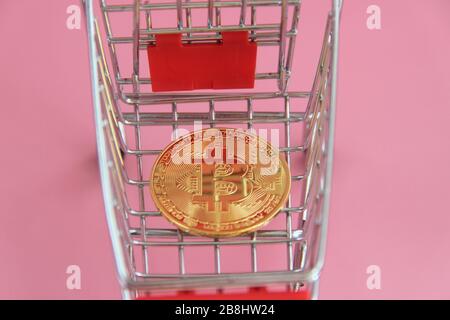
390	198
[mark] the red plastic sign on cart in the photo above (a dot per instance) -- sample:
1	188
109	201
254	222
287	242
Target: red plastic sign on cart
175	66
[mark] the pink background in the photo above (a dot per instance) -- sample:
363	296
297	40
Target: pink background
390	199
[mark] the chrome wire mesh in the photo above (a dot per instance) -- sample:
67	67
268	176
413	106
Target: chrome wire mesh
208	29
128	146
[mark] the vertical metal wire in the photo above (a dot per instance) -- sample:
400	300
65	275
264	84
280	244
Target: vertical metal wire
181	263
180	14
121	132
253	20
254	256
282	52
212	113
188	19
137	131
314	89
210	13
337	6
243	13
102	150
292	40
136	35
217	263
315	290
218	16
148	18
289	201
111	46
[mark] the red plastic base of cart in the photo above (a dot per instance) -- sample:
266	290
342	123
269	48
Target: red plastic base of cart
175	66
252	294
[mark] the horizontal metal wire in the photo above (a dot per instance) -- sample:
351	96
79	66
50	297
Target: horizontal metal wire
144	182
212	29
149	232
148	152
213	243
161	98
145	81
199	281
138	213
167	276
261	39
196	5
183	118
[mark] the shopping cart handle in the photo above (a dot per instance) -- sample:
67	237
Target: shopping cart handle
177	66
252	294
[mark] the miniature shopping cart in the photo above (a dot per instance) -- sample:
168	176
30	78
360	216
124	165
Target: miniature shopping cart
135	123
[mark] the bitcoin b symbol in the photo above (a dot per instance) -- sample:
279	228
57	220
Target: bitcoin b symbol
221	185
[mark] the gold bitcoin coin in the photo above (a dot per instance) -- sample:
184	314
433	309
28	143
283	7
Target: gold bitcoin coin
220	182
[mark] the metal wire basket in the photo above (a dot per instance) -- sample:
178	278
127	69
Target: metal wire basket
152	256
